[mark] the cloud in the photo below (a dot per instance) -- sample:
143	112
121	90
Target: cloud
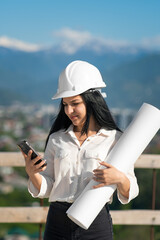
19	45
72	40
151	43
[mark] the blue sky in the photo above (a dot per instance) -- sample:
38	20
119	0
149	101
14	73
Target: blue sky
44	22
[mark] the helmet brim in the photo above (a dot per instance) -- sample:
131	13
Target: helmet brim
72	93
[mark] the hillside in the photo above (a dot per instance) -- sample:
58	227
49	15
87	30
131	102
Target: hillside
32	77
135	82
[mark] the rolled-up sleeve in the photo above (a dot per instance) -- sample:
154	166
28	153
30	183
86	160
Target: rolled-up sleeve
134	189
47	176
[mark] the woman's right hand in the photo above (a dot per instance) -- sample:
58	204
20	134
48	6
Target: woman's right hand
31	167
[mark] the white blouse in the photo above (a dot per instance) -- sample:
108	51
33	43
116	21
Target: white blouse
70	166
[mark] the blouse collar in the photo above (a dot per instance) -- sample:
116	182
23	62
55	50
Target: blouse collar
102	131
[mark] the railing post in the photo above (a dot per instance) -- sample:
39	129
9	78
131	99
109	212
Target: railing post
40	225
153	200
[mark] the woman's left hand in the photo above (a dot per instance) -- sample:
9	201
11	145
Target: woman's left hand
107	176
111	175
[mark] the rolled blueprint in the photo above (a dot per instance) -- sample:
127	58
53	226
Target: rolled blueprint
124	154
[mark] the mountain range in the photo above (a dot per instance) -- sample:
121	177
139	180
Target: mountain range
132	77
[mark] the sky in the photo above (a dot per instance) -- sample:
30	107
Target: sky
43	23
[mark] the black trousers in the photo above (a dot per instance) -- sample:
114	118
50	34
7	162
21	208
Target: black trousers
60	227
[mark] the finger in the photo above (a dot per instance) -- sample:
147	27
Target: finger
99	179
106	164
43	168
39	169
28	156
98	172
100	176
41	164
30	153
35	160
99	185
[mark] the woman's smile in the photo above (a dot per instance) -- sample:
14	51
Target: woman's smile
73	117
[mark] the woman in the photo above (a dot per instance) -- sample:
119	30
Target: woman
79	141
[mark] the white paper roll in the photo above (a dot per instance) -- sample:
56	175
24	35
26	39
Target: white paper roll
124	154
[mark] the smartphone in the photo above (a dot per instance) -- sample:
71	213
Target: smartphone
26	147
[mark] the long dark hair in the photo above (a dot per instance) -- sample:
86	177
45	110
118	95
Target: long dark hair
95	106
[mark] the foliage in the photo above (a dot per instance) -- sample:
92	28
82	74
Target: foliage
131	232
29	229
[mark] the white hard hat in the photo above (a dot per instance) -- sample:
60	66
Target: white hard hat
78	77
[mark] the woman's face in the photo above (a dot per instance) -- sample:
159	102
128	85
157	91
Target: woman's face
75	109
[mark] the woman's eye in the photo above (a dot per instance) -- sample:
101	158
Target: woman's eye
74	104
